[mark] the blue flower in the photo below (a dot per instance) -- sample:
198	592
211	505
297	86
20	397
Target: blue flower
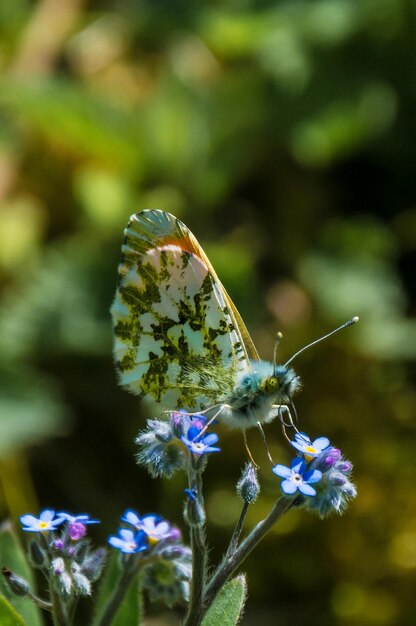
187	428
44	523
200	445
129	542
336	488
310	449
154	526
131	517
297	477
81	519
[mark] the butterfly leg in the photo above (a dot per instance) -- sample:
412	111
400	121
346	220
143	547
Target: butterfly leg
212	419
281	410
263	436
250	456
169	412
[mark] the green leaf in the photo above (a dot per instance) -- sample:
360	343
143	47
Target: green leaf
13	557
130	609
8	615
228	606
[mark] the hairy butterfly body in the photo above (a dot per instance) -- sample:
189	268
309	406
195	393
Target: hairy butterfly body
179	340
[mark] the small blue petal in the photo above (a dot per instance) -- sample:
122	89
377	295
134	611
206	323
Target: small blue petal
282	470
193	432
298	465
302	438
321	443
209	440
313	476
306	489
47	515
126	534
289	487
131	517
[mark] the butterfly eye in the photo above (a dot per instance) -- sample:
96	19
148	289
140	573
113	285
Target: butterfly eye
272	384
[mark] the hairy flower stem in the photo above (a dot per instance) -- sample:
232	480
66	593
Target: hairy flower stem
59	614
123	585
42	604
199	551
232	561
237	531
57	607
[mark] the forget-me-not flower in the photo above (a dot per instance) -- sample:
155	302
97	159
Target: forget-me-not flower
44	523
82	519
297	478
129	542
155	527
200	445
310	449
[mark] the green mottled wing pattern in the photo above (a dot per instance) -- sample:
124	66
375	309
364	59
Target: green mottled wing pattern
179	340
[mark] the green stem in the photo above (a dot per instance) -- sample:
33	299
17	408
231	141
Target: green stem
42	604
237	531
123	585
232	561
199	552
59	614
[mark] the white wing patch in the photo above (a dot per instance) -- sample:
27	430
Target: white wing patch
176	342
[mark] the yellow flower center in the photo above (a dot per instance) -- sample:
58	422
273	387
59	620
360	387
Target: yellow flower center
43	525
152	540
311	450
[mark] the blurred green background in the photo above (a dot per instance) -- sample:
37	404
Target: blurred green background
284	135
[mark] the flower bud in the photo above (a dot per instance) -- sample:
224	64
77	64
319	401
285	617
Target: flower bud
194	513
80	550
76	530
161	459
81	582
162	430
17	585
172	552
344	466
37	556
248	487
58	566
327	459
58	544
179	421
94	563
337	479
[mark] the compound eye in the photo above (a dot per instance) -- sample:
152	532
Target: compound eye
272	384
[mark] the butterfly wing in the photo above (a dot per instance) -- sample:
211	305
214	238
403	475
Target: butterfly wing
179	340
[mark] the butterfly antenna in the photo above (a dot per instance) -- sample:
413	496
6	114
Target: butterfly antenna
350	322
278	339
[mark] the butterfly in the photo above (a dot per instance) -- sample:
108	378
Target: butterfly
179	340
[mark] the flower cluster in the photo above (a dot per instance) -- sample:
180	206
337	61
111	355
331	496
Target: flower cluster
61	551
163	444
319	464
166	562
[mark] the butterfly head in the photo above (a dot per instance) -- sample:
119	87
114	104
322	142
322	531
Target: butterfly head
283	383
277	382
